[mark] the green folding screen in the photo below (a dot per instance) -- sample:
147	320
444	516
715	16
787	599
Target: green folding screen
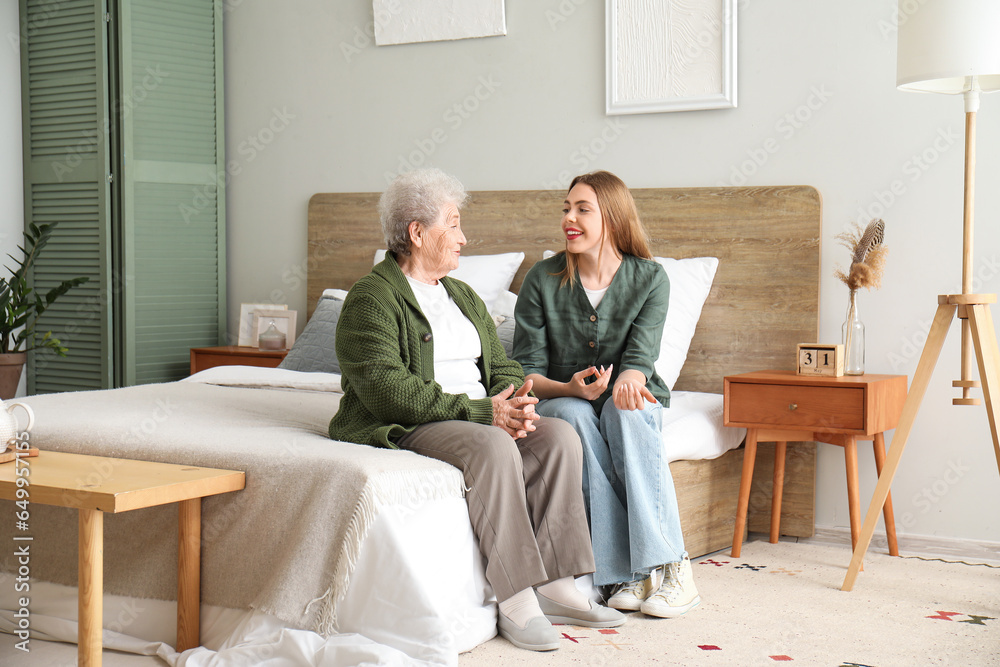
124	147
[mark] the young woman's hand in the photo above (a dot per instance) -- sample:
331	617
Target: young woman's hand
514	411
630	392
579	387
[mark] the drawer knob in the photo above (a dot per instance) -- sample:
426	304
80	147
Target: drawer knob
793	406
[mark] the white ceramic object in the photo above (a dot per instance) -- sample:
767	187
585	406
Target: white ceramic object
8	423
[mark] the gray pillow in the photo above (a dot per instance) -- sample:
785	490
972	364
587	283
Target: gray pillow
315	351
505	330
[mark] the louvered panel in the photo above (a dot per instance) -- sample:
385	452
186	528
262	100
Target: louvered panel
174	67
60	57
65	103
63	68
65	135
176	245
197	89
175	20
162	119
78	38
77	318
56	13
177	290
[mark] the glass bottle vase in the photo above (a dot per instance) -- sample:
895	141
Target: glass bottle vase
854	339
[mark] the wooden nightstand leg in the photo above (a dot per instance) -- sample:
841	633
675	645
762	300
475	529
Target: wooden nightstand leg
777	489
91	588
189	575
887	513
746	480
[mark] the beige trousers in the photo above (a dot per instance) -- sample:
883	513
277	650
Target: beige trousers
525	498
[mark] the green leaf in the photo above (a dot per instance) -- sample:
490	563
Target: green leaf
20	307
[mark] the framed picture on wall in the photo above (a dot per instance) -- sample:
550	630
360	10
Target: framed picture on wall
670	55
433	20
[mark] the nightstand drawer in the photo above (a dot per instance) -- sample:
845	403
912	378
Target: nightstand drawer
801	406
234	355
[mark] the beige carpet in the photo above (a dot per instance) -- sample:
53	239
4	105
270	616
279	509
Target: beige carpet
782	604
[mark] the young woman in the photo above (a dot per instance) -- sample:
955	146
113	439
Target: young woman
589	322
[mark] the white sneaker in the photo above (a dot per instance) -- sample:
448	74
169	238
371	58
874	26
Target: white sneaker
677	594
629	595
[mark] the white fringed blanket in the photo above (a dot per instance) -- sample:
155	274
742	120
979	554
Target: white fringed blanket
286	544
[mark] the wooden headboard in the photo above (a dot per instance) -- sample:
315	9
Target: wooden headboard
763	302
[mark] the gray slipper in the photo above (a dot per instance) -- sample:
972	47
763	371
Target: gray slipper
538	635
595	617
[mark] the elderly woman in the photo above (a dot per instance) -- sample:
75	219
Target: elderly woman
423	370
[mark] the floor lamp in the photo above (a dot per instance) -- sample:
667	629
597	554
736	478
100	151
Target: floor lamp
948	46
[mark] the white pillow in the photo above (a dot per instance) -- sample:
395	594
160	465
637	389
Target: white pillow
334	294
488	275
690	282
504	304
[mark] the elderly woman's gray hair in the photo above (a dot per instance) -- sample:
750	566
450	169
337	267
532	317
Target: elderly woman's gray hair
416	195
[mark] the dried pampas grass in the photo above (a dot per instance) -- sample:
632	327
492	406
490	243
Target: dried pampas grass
867	256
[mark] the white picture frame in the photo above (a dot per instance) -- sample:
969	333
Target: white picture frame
244	336
659	58
284	321
436	20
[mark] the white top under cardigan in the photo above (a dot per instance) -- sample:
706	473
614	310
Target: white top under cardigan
456	342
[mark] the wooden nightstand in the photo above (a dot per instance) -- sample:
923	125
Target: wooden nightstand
234	355
781	406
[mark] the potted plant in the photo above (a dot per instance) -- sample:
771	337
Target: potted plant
22	306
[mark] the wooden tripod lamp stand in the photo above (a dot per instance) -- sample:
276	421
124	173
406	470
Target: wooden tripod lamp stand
948	46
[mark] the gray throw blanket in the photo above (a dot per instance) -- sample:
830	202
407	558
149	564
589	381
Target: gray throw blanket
285	545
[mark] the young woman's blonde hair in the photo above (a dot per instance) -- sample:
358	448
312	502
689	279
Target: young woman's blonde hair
622	226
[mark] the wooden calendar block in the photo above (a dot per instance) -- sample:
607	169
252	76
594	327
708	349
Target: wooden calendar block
820	359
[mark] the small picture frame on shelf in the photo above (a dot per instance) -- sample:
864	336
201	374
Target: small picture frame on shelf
284	321
820	359
246	337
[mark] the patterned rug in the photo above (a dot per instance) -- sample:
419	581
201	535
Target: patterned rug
782	603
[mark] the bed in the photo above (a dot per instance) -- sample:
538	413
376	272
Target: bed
763	301
295	564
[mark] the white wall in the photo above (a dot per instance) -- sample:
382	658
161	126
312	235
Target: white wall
11	179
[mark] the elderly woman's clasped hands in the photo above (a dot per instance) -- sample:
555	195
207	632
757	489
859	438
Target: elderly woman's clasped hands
514	411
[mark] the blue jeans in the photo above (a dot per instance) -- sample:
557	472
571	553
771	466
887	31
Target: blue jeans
629	493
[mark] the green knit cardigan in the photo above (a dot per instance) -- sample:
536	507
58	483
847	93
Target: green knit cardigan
386	354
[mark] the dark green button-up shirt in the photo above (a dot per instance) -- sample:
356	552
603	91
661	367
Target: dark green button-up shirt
559	333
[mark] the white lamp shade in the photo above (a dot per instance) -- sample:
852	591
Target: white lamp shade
943	42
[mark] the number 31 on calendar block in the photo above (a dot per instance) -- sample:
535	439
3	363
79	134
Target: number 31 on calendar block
821	359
